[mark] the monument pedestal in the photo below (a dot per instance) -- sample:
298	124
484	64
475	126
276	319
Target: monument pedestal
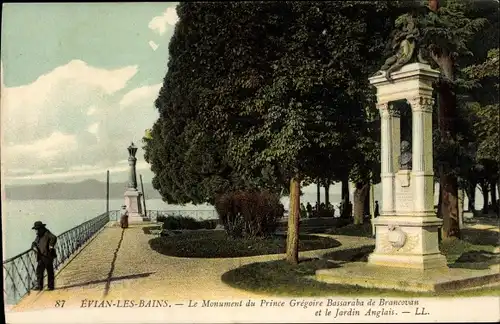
133	203
407	242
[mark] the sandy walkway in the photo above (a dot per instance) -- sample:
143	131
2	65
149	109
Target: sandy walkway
120	264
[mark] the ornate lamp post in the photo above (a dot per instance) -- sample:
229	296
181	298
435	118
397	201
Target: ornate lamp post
132	160
132	195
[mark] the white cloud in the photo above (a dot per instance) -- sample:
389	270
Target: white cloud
140	94
92	129
73	116
45	149
153	45
159	23
92	110
42	106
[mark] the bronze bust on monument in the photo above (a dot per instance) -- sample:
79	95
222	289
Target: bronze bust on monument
405	157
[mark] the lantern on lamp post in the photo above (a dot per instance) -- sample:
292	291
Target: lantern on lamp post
132	160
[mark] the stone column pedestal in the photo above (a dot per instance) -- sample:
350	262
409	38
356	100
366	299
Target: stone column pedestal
407	242
133	203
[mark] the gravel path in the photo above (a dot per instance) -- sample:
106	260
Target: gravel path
119	264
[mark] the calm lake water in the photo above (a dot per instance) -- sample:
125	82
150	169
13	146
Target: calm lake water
18	216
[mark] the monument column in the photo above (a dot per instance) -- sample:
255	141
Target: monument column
422	156
388	125
132	178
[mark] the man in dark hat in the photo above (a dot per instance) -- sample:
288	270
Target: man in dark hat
44	245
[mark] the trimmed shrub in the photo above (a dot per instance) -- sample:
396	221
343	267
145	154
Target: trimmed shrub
161	218
249	213
178	222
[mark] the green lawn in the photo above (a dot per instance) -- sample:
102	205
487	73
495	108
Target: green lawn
364	230
279	278
217	244
476	250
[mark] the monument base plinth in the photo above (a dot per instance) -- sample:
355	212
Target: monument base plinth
421	262
407	242
133	203
444	279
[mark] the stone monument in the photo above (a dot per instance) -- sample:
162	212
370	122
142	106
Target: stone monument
407	229
132	195
406	232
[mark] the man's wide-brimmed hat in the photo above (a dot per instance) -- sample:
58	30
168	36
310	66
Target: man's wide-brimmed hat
38	225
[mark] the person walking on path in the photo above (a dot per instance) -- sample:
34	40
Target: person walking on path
376	212
124	217
309	210
44	246
303	211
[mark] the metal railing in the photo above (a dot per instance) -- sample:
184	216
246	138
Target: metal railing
20	270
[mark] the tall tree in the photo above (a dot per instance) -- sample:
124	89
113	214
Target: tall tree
214	55
254	91
446	30
487	112
317	96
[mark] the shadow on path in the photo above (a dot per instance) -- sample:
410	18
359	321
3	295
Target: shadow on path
110	273
481	236
358	254
108	280
476	260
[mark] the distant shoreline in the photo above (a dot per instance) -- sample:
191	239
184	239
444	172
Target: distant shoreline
88	189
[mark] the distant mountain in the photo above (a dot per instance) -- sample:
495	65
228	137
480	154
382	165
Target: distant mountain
88	189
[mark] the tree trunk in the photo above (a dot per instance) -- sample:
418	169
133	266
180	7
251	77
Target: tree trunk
366	206
372	207
461	195
434	5
498	204
439	213
447	104
327	194
471	196
447	127
449	206
345	197
360	195
486	195
318	193
493	192
292	241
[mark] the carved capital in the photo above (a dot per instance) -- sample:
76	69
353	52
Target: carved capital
382	106
388	110
421	103
383	109
394	111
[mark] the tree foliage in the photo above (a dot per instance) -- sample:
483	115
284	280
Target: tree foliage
255	92
487	114
447	29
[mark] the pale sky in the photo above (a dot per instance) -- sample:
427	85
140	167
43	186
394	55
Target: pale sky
78	85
